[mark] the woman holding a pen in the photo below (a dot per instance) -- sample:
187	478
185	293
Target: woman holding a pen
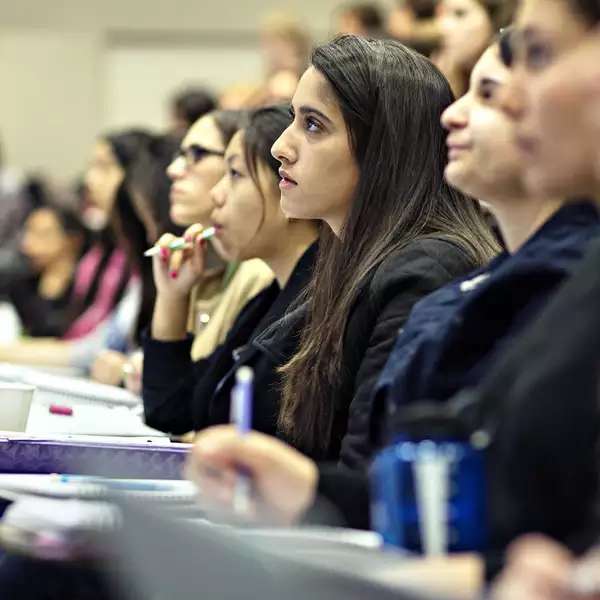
246	222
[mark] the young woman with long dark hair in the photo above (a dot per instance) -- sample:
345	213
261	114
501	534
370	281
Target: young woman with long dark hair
142	215
366	154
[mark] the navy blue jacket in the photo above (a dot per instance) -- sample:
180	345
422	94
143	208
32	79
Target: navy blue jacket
453	336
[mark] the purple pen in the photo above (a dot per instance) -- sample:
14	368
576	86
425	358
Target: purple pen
242	399
241	414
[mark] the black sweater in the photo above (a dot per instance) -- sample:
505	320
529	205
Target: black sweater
180	396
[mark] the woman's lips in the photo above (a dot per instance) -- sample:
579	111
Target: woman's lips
286	182
456	149
526	144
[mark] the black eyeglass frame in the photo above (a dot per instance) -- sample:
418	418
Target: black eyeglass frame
194	153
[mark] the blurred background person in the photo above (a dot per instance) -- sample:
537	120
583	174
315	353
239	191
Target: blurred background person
148	188
240	96
52	241
466	28
414	23
285	44
360	18
15	204
187	106
280	87
107	290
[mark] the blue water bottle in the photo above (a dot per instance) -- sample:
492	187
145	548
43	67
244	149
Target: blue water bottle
428	487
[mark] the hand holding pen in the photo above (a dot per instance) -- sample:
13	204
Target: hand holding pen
178	263
284	481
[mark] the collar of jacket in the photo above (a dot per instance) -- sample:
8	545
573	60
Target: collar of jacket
279	329
574	220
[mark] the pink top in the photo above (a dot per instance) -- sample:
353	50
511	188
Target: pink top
106	296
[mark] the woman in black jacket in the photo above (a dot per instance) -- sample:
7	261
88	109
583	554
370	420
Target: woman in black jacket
365	153
180	395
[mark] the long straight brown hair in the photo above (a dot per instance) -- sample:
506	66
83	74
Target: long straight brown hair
392	100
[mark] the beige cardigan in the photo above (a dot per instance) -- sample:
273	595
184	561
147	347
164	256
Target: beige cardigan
214	307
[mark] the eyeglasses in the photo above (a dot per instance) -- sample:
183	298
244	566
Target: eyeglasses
194	153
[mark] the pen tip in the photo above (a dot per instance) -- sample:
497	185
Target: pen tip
244	375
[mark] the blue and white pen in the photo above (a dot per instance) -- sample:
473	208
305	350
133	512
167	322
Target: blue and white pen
241	414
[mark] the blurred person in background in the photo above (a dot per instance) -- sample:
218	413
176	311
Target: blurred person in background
240	96
285	44
414	23
146	207
280	87
467	27
360	18
52	241
225	286
187	106
107	291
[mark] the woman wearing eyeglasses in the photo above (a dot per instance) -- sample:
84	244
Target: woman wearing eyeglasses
224	287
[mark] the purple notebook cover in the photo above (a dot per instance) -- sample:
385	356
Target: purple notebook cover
93	458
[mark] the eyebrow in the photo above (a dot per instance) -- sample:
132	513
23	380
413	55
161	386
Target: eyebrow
489	81
231	158
305	110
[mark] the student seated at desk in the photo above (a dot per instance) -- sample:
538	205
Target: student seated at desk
225	286
181	395
52	242
393	230
106	289
454	336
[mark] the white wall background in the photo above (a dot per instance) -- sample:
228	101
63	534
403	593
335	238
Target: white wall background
69	68
140	77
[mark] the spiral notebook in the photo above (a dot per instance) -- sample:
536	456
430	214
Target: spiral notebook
81	487
62	388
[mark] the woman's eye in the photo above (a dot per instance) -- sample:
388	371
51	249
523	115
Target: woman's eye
460	13
486	92
312	125
538	56
234	174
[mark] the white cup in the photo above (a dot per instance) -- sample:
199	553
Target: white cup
15	402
